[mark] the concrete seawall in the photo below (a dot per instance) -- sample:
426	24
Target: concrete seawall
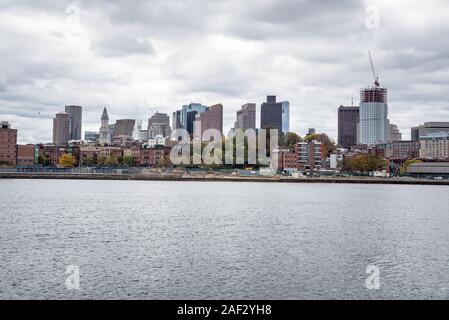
205	178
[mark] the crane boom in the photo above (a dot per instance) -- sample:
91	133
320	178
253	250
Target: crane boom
149	107
376	78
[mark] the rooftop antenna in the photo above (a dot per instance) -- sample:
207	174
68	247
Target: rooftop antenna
376	78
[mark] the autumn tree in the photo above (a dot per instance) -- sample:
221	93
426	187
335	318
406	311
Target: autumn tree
347	164
66	161
368	163
409	163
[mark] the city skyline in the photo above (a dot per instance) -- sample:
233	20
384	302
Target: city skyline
228	62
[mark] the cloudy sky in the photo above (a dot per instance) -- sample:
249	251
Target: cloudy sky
173	52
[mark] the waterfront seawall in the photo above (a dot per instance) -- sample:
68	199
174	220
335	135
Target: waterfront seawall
205	178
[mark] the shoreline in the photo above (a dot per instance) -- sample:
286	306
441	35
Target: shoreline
217	178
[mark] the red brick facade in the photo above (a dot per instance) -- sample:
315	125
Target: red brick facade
8	150
25	155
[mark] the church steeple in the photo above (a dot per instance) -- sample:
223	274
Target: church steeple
105	116
105	137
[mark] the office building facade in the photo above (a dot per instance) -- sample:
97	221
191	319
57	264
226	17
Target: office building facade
435	146
374	122
348	124
159	124
285	116
124	127
188	115
61	129
246	117
429	128
395	134
271	114
76	117
211	118
176	120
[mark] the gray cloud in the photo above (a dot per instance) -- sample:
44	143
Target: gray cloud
3	87
313	53
123	45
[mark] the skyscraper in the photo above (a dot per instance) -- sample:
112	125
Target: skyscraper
61	129
124	127
246	117
414	134
395	134
271	114
212	118
285	116
136	131
75	115
348	121
184	118
176	120
159	124
374	122
105	134
190	121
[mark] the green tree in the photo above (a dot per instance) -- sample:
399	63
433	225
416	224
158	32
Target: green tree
112	161
128	161
102	161
291	139
43	160
66	161
89	161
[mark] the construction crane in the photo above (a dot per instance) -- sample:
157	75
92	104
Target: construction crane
376	78
149	107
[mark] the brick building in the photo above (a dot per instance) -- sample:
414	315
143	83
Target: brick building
92	154
135	153
26	155
310	155
288	160
8	142
399	150
157	156
49	154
